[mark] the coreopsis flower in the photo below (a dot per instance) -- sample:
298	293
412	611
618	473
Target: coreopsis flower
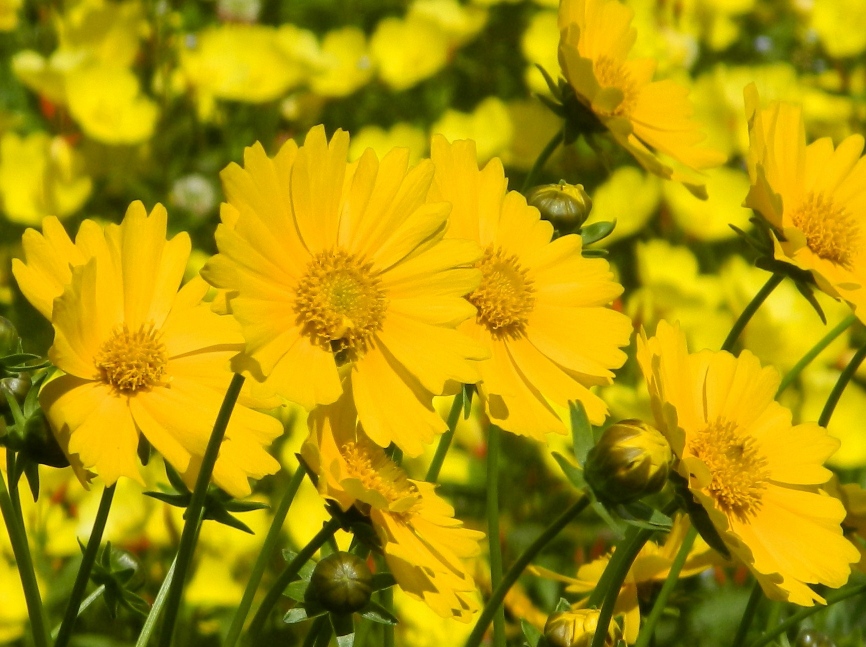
645	117
541	306
576	628
137	356
340	271
424	545
757	476
813	196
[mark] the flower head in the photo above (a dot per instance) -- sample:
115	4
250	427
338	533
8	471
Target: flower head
337	270
137	356
756	476
813	196
541	306
424	545
645	117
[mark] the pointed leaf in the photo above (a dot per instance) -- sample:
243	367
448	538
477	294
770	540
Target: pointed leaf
382	581
596	231
641	515
31	471
245	506
573	473
551	84
221	516
562	605
175	479
468	391
807	292
343	625
375	612
176	500
306	571
594	253
552	105
602	512
298	614
531	634
581	431
297	590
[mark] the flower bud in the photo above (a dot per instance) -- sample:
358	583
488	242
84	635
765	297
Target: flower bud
630	460
576	628
8	338
341	583
563	204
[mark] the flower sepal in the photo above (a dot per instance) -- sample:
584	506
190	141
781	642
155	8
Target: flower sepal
698	515
120	572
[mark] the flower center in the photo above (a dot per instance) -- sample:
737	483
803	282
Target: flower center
340	304
612	74
131	361
372	467
504	299
739	473
831	232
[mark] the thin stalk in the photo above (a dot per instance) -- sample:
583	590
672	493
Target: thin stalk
646	634
833	598
750	310
190	528
387	601
844	378
289	574
445	439
513	573
816	350
21	552
156	609
90	599
541	160
83	575
267	550
494	439
748	615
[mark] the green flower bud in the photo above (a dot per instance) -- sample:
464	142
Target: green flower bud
630	460
127	568
563	204
18	387
576	628
8	338
341	583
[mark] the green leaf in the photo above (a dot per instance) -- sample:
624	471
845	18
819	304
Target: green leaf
297	590
641	515
306	571
552	105
31	471
220	515
809	295
375	612
698	515
175	479
298	614
177	500
602	512
596	231
344	627
581	431
531	634
382	581
573	473
594	253
553	85
468	391
245	506
562	605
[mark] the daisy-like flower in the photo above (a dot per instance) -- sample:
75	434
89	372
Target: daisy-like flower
424	545
337	269
137	355
645	117
757	476
814	197
541	306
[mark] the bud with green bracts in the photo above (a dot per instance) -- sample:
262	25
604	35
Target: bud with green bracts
576	628
341	583
8	338
630	460
563	204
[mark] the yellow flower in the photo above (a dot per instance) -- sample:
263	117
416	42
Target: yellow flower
343	64
138	357
420	626
645	117
757	476
541	304
424	545
8	22
381	141
538	45
408	50
460	22
839	25
710	220
813	196
334	268
489	126
40	175
628	196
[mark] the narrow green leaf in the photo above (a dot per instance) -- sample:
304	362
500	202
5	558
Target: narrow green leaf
573	473
596	231
602	512
581	431
531	634
641	515
382	581
375	612
297	590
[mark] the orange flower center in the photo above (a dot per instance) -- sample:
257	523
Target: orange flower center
612	74
739	472
132	361
831	232
340	304
505	297
371	466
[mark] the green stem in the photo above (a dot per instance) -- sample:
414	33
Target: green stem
833	598
387	601
445	440
750	310
513	573
748	615
21	552
190	527
661	602
494	440
541	160
289	574
267	551
83	575
90	599
844	378
156	609
816	350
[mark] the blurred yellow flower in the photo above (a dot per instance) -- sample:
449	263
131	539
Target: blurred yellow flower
107	32
343	64
139	357
460	22
400	135
532	126
13	612
425	547
757	476
538	44
839	25
8	22
630	197
710	220
407	51
813	196
645	117
535	295
40	176
489	126
339	272
817	383
420	626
